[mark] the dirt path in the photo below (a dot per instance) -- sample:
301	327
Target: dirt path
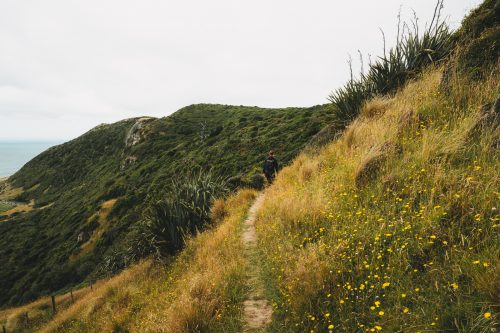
257	310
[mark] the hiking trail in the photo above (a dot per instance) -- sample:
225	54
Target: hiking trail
257	310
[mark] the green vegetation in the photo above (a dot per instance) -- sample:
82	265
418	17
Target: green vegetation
68	238
5	206
393	226
182	212
201	290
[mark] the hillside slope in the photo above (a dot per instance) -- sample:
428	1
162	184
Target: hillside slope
82	198
202	290
391	227
394	226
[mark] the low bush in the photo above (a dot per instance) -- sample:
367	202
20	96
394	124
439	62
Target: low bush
183	210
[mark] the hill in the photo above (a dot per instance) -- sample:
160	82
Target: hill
77	202
390	225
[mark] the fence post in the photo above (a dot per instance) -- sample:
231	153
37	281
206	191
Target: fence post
26	317
91	286
53	304
71	292
4	329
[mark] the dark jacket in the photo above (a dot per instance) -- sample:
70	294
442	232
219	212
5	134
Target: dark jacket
270	165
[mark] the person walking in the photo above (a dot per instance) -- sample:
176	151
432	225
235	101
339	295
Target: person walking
270	168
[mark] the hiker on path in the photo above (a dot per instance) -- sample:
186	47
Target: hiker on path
270	167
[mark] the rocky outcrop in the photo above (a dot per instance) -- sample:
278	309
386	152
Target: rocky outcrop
136	134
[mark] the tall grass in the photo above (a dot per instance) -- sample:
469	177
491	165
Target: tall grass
201	291
414	51
394	227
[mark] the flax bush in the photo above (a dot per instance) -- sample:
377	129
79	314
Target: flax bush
413	52
182	210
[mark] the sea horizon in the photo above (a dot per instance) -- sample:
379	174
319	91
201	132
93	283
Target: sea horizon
15	153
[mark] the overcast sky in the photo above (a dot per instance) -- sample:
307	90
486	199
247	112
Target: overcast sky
69	65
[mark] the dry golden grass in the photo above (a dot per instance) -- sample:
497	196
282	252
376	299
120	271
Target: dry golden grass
375	107
218	211
102	218
91	302
211	276
403	203
39	311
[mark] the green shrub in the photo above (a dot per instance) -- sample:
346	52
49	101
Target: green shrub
180	212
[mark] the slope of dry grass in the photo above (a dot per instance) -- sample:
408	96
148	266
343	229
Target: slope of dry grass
201	290
394	226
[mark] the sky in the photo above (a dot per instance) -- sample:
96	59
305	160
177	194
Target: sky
67	66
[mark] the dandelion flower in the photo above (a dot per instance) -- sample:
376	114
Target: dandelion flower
330	327
381	313
487	315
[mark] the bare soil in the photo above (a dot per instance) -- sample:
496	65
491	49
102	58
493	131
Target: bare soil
257	310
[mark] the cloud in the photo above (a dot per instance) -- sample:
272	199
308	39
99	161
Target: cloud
75	64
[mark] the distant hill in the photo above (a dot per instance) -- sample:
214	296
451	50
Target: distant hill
77	202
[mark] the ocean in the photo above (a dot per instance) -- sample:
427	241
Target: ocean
14	154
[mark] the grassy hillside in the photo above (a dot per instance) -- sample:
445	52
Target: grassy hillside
200	291
81	199
394	226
